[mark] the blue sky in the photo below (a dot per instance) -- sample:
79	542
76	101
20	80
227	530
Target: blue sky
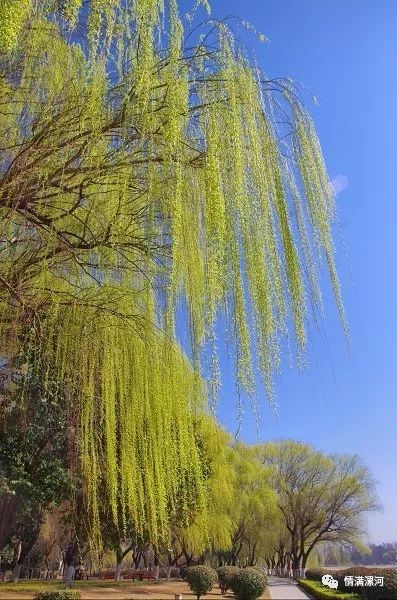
345	52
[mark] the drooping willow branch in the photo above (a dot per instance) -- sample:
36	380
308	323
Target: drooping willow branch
138	174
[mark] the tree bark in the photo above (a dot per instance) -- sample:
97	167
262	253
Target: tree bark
236	553
169	566
296	566
68	574
117	573
16	573
189	558
156	562
137	559
120	555
252	560
119	558
17	554
70	561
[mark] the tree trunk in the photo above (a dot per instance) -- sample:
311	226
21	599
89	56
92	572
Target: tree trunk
156	562
119	559
137	559
120	556
252	560
68	574
283	569
295	554
169	566
296	566
16	573
188	558
70	561
236	553
306	556
117	573
16	554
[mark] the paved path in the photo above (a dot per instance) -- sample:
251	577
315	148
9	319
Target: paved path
285	589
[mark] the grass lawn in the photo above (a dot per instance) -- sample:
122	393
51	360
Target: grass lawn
104	590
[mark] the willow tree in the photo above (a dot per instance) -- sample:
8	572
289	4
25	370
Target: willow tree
143	177
321	498
253	509
211	528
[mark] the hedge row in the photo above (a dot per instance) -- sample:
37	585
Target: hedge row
132	573
317	590
386	592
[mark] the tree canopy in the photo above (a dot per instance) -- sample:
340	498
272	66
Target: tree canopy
144	179
34	467
321	497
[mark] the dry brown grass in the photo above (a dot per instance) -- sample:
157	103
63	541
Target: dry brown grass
109	590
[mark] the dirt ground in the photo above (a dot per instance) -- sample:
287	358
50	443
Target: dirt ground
111	591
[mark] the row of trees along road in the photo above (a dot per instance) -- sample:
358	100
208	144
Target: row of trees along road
271	504
375	554
144	165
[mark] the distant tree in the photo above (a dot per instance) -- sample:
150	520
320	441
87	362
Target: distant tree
321	497
277	553
334	554
46	553
253	511
377	554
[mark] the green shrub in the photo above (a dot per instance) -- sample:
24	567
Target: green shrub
201	579
248	584
386	592
58	595
225	575
317	590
